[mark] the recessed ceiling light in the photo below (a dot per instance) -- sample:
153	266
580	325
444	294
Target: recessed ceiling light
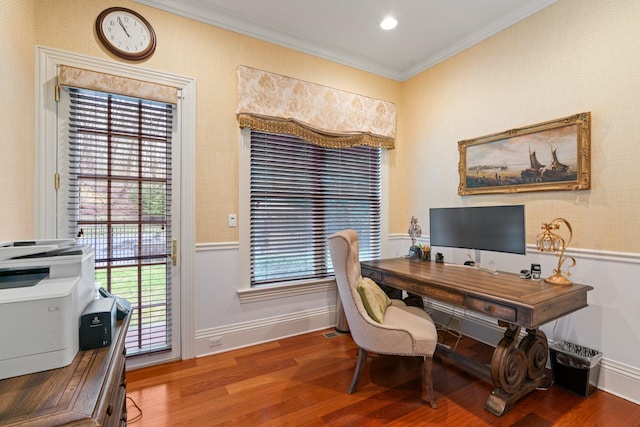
388	23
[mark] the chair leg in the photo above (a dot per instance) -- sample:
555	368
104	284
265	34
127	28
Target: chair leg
361	362
427	381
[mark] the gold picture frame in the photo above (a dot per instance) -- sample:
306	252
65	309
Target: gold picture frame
553	155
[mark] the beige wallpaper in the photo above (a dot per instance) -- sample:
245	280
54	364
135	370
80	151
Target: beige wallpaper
16	119
211	56
572	57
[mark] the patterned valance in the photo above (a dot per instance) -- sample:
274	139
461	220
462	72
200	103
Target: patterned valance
321	115
102	82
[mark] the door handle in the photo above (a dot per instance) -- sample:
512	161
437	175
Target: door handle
174	253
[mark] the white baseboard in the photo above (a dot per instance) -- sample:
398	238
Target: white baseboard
230	337
620	380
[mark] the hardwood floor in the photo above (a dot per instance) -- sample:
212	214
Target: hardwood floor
303	380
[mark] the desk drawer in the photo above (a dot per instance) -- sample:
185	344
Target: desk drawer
428	291
492	309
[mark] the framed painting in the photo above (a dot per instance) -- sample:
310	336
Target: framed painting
554	155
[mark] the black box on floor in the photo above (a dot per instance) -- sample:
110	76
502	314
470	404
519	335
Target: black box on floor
575	368
97	324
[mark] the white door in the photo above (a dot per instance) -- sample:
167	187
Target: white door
116	181
128	210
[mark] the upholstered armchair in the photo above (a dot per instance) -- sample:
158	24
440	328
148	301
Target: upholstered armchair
405	330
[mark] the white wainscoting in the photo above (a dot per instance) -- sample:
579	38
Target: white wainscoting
611	323
226	320
260	331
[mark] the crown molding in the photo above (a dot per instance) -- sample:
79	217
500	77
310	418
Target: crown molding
209	14
475	37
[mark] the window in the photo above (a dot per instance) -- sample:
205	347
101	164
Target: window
300	194
119	202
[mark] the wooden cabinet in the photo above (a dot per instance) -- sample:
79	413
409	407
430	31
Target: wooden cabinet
91	391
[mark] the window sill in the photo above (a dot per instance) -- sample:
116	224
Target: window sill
266	293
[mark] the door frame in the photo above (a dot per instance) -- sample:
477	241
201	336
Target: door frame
45	153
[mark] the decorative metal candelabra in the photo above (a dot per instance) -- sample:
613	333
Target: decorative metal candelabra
551	241
414	230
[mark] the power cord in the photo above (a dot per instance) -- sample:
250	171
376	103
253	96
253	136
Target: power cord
553	335
138	416
445	328
548	387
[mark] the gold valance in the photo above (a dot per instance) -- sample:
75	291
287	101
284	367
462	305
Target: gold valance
318	114
323	139
102	82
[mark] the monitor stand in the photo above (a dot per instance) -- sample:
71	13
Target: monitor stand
476	261
475	264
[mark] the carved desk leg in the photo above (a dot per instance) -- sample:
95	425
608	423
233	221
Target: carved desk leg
516	369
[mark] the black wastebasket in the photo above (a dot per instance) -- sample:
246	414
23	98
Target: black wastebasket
575	368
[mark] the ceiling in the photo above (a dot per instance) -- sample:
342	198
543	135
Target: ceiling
348	31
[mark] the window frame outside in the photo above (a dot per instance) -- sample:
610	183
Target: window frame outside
248	294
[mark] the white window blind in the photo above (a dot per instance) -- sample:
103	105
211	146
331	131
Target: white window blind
302	193
120	203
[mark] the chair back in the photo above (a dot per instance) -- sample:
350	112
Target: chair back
343	246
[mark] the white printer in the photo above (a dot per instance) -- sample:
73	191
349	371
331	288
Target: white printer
44	287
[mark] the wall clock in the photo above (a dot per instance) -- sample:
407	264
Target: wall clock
126	33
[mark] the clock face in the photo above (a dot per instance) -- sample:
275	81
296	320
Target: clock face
126	33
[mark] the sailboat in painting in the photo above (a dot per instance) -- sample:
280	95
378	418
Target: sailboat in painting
558	171
534	173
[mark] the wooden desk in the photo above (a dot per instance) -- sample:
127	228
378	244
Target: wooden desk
517	368
91	391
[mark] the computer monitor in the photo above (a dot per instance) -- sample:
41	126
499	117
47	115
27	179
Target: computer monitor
488	228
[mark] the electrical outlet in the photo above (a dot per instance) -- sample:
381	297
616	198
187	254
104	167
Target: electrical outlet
232	220
215	341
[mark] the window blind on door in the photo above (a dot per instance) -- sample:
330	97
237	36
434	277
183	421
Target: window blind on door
302	193
120	203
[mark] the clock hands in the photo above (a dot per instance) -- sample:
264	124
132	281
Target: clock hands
123	27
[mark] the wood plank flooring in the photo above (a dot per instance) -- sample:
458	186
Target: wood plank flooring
303	380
